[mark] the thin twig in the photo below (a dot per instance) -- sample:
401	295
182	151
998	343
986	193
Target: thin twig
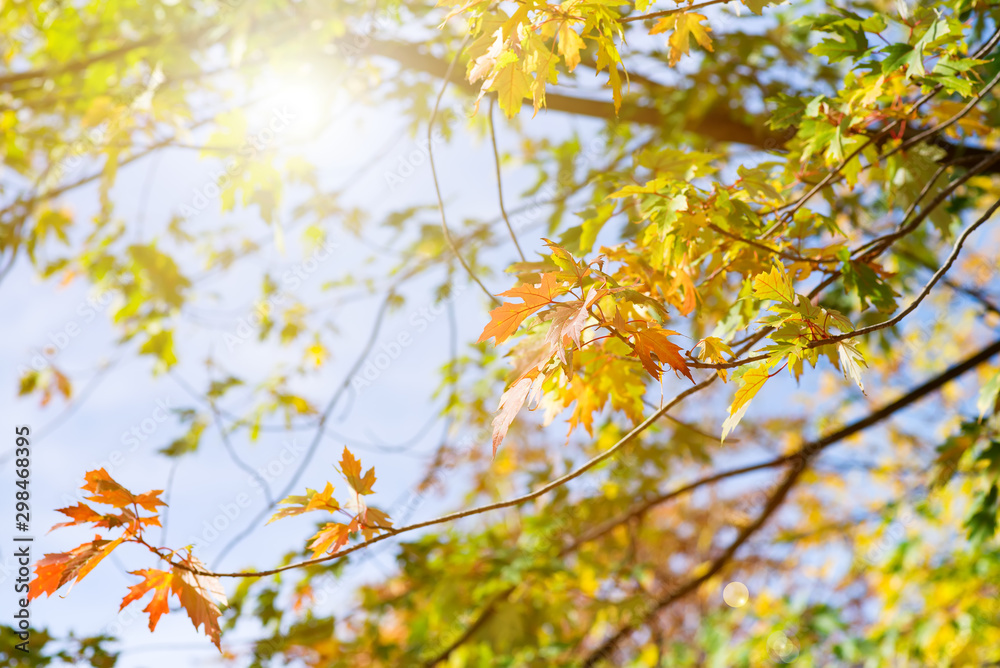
320	428
669	12
496	162
437	185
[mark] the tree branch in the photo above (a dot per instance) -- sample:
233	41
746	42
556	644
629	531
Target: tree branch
799	460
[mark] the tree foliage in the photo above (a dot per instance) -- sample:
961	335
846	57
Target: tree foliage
758	246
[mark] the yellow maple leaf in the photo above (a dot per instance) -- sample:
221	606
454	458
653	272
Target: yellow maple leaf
750	384
512	86
712	350
775	285
570	45
685	26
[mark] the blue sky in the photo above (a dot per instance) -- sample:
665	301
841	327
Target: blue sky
118	416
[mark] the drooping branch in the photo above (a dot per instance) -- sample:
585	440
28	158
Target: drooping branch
803	455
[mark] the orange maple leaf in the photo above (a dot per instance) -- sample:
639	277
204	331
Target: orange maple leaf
331	537
152	580
80	513
57	569
312	500
351	468
150	500
105	490
199	595
505	319
653	341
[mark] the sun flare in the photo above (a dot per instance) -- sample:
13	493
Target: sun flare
299	102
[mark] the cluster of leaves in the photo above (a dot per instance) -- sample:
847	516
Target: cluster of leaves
332	536
685	256
518	55
199	595
677	214
581	338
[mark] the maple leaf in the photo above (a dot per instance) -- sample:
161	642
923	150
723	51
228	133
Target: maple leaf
80	514
609	59
775	285
653	341
312	500
750	383
152	580
331	537
484	64
199	595
505	319
126	518
57	569
289	512
150	500
851	361
105	490
510	403
351	469
324	500
566	322
712	350
373	521
512	85
570	45
685	26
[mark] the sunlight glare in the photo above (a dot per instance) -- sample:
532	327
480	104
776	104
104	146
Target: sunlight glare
299	104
